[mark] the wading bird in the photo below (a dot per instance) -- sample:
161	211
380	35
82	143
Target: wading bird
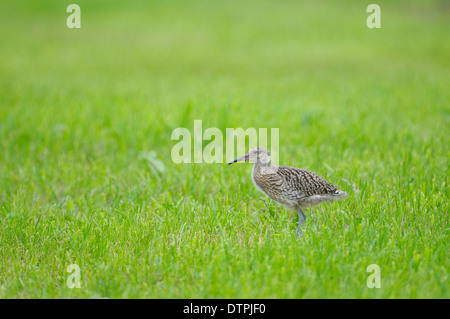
292	187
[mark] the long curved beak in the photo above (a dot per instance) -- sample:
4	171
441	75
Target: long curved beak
242	158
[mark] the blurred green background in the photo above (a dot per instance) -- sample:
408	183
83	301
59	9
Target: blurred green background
86	117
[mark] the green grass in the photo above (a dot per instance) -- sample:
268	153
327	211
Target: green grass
80	110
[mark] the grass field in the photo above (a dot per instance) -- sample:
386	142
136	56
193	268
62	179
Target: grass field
86	117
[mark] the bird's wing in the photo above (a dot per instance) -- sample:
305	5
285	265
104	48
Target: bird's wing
298	183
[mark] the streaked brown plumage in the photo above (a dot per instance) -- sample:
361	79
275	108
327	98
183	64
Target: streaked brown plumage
292	187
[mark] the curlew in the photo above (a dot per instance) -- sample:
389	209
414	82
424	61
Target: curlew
292	187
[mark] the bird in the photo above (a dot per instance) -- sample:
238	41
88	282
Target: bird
294	188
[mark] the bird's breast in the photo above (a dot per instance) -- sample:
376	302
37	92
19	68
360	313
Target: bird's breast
266	181
256	179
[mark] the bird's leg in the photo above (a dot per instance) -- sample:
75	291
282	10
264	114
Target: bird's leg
301	221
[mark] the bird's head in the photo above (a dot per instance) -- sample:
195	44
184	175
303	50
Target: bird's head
255	155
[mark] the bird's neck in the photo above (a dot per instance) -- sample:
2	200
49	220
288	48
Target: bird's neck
261	169
261	164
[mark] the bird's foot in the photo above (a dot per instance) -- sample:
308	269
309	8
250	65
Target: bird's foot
298	233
